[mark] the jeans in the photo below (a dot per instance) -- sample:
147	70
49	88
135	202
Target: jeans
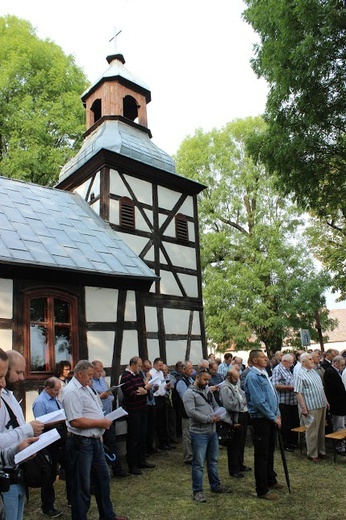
88	462
14	500
204	446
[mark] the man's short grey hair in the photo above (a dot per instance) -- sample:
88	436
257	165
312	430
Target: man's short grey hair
204	363
82	365
287	357
337	359
304	356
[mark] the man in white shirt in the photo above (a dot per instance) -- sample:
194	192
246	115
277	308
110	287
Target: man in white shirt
12	434
161	420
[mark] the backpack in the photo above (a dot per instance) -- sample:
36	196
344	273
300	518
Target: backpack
177	400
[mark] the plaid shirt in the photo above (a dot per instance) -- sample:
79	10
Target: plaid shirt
283	376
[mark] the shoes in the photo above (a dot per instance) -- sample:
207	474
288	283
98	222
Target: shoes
53	513
315	459
147	465
237	474
277	486
221	489
268	496
245	468
121	474
289	449
135	471
199	497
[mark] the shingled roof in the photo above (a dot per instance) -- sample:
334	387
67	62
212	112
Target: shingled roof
46	228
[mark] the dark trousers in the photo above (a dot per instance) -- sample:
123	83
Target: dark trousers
151	428
59	455
109	444
171	422
289	420
161	421
235	451
136	438
264	439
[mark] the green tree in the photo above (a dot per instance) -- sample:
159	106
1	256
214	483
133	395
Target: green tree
260	283
41	114
302	54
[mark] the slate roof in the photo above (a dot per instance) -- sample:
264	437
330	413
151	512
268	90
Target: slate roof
47	227
124	139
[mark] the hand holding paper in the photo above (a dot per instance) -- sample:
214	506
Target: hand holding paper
44	440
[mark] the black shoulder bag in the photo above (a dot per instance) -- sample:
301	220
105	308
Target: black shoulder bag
40	468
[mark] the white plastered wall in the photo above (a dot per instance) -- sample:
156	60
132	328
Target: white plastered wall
6	298
101	304
101	345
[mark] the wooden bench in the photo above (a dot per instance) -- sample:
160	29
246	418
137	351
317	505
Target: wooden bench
340	435
301	431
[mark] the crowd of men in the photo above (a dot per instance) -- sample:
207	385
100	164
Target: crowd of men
163	405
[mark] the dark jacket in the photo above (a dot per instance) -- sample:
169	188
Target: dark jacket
335	391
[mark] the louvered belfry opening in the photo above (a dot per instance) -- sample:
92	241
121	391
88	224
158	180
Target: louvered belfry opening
127	213
181	228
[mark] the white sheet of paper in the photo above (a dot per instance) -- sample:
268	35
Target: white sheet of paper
116	414
307	420
112	388
45	439
58	415
155	381
220	412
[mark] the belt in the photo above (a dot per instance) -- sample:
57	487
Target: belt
70	434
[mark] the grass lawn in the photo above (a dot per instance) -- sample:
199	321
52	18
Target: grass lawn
164	493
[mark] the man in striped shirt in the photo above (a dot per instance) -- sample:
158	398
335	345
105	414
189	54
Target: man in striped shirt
312	401
282	380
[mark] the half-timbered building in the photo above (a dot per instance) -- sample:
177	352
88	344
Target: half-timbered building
106	265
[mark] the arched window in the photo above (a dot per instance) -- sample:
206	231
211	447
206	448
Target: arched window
50	330
127	212
96	108
181	228
130	108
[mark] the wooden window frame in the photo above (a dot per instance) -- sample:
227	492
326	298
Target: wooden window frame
50	295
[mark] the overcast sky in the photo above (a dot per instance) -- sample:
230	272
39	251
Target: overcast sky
193	54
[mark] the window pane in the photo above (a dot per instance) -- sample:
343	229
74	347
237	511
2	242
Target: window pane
62	344
61	311
37	309
38	348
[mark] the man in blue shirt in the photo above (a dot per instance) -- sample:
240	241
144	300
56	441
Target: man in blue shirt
225	365
263	406
47	402
100	386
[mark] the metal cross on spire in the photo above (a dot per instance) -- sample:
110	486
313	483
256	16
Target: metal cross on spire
114	38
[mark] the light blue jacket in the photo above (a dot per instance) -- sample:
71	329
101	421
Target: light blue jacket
261	396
